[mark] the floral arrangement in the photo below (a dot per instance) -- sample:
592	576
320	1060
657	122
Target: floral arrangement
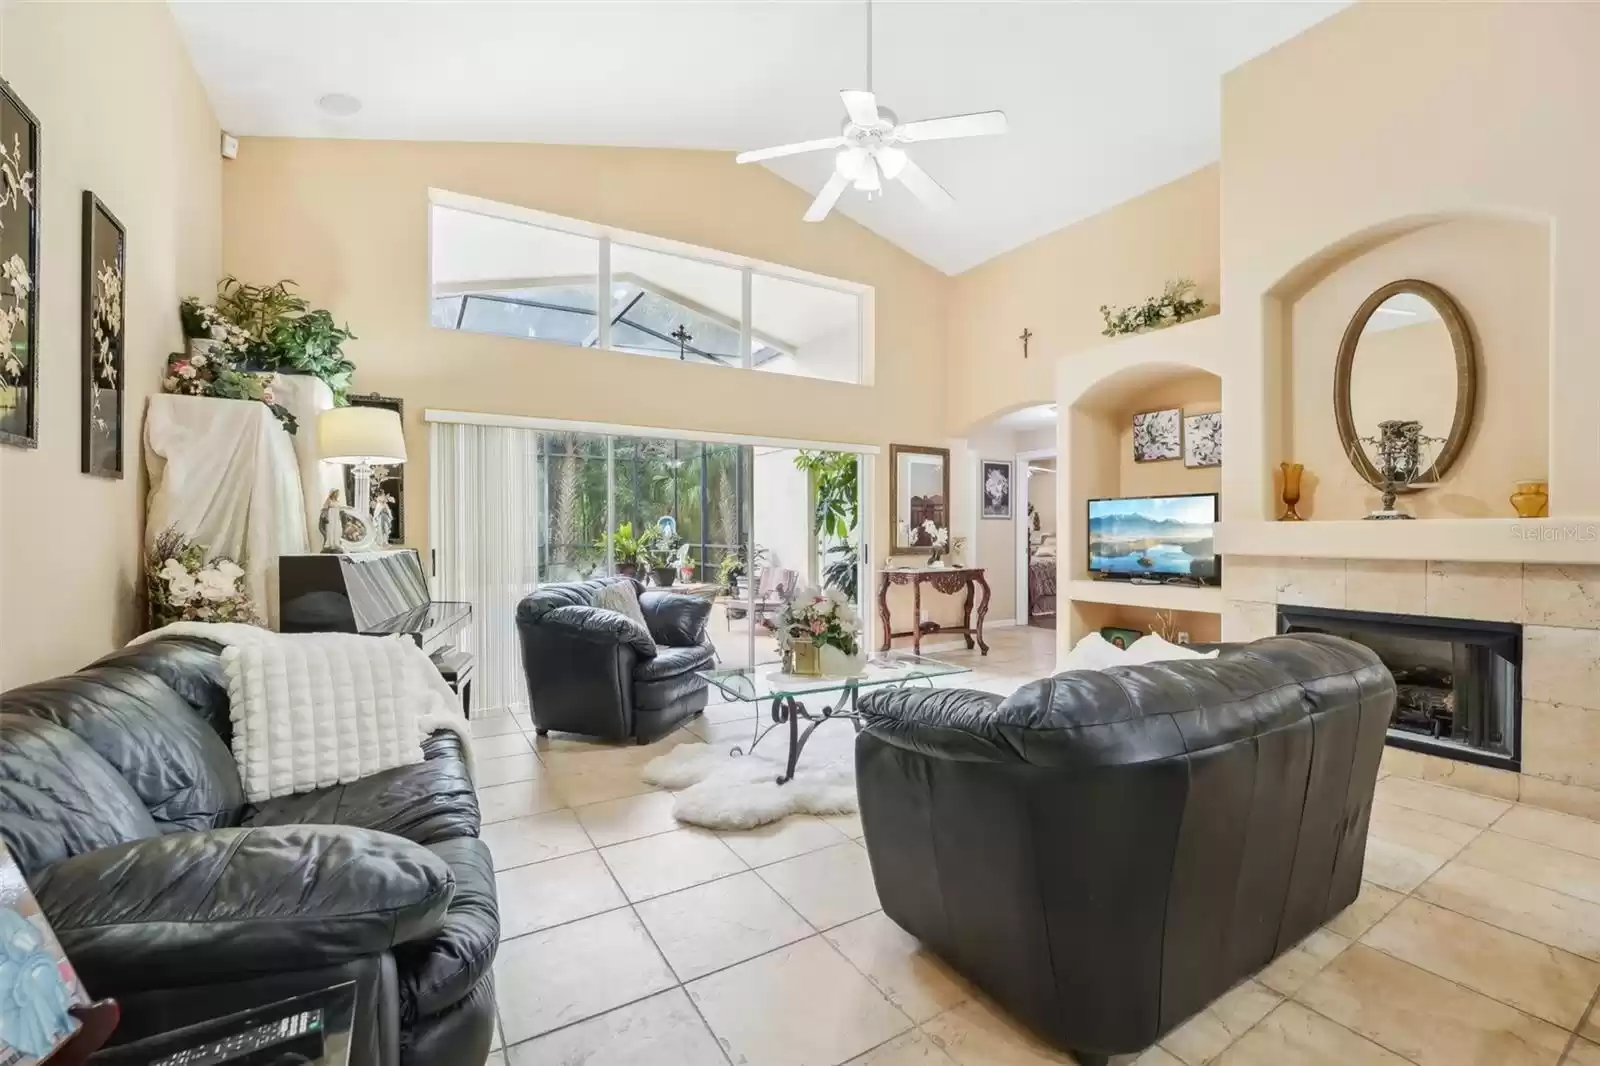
1176	303
935	538
253	331
16	188
823	617
105	324
186	587
200	374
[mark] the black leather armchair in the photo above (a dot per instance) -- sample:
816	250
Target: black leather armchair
120	802
598	672
1106	852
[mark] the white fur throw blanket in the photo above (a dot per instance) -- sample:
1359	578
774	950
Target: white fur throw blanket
311	710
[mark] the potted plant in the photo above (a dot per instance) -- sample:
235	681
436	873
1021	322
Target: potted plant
732	568
627	550
286	334
663	555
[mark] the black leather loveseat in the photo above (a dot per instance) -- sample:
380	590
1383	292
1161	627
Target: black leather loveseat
120	801
598	672
1106	852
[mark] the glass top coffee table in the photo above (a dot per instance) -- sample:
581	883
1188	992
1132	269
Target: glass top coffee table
838	695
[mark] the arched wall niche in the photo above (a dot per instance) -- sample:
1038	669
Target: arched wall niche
1496	265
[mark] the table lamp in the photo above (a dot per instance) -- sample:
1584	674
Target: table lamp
361	438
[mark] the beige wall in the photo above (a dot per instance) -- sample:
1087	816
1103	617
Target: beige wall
1497	270
348	220
1194	393
121	114
1322	155
1055	285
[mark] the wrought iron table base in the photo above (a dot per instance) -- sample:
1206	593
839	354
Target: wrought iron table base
789	710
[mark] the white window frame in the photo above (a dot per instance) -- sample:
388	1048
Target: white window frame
865	294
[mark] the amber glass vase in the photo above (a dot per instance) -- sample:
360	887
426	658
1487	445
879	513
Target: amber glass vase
1291	491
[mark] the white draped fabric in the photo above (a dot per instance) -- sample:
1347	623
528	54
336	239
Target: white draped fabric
224	473
484	531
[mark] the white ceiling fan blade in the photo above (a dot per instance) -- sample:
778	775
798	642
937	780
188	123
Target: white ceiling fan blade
827	197
979	124
933	195
759	154
861	106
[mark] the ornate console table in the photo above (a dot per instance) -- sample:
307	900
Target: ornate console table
946	579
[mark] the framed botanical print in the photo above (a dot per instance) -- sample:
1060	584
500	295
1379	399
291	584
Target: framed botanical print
995	488
1157	435
19	272
105	259
1202	439
388	482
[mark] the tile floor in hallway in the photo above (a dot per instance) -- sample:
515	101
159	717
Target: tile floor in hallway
629	939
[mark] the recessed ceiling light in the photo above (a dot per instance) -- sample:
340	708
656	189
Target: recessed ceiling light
342	105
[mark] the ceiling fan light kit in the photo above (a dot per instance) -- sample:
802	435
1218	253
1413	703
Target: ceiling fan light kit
870	147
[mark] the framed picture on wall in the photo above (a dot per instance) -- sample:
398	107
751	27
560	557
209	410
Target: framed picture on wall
1202	439
1157	435
994	488
105	258
388	482
19	272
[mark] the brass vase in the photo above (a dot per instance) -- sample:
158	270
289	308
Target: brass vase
1532	499
807	658
1292	473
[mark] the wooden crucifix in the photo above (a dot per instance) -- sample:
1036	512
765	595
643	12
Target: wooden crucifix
1025	337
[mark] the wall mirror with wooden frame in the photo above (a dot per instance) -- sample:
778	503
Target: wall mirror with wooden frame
1407	355
919	491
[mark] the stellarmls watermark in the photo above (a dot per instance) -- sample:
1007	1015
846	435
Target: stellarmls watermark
1546	532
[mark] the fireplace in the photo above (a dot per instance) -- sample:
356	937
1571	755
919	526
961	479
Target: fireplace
1459	681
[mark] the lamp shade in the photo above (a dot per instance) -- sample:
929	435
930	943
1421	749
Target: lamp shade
361	435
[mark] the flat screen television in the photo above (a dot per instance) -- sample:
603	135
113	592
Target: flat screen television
1158	537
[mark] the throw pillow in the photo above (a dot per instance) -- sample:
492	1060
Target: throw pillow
621	598
1153	649
1094	652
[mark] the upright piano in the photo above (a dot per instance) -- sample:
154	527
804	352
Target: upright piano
376	593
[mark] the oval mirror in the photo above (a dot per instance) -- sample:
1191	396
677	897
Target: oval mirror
1407	356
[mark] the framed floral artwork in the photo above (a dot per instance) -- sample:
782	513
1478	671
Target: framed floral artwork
995	488
1157	435
19	272
105	259
1202	439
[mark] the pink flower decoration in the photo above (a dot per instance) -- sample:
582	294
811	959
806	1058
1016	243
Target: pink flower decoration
817	625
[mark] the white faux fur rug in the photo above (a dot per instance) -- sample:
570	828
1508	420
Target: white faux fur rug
722	791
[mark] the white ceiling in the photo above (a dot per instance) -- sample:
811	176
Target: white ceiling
1105	99
1027	418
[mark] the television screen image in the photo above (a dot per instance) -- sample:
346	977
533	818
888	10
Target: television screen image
1154	536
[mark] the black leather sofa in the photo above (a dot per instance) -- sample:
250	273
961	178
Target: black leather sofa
598	672
120	801
1106	852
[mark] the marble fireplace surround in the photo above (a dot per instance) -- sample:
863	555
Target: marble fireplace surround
1558	606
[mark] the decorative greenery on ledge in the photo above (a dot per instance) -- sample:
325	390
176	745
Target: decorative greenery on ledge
1177	303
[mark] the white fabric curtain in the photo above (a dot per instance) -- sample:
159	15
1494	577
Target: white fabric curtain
484	529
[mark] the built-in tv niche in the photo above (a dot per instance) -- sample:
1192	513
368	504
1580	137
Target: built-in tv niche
1458	681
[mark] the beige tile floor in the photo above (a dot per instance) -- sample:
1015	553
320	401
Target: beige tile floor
628	939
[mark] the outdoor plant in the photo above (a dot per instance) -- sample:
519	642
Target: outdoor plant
733	566
1177	303
184	586
626	548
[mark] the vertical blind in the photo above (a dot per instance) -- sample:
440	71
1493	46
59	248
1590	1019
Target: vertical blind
484	529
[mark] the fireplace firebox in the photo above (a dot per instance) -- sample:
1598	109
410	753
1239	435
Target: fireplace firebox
1458	680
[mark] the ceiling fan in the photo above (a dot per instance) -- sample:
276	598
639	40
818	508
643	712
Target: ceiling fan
870	147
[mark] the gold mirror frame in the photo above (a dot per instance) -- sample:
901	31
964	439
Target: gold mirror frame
895	451
1466	380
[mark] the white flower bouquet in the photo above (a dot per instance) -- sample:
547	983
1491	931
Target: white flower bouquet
185	586
824	620
1177	303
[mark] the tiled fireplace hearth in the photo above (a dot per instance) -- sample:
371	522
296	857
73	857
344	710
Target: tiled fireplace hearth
1556	761
1458	680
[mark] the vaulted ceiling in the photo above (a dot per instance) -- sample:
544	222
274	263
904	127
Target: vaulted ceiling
1106	100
